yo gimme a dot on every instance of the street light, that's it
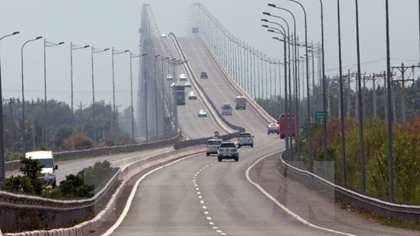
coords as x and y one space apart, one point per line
113 93
45 130
307 88
2 165
295 68
92 51
132 55
156 107
23 93
73 47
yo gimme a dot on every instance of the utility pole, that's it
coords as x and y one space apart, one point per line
81 106
403 69
375 114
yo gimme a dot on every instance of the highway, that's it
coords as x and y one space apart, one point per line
199 196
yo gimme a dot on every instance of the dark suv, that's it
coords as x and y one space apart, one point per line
203 75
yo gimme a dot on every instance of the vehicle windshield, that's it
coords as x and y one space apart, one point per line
227 145
244 135
46 163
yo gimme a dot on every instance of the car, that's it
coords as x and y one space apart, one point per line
227 150
182 77
187 84
245 139
46 160
203 75
226 109
164 36
192 95
169 77
202 113
213 145
273 128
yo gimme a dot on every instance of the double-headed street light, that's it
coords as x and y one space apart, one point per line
2 165
114 52
23 93
45 130
92 51
73 47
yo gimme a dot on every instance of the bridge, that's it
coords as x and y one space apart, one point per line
171 187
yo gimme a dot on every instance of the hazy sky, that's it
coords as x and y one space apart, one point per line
115 23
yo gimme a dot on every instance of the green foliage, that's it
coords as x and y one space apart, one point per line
406 155
109 140
12 156
83 184
29 183
63 132
74 187
19 184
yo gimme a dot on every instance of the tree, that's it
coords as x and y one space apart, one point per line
62 133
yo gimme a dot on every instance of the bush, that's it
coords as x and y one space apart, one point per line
81 142
29 182
406 156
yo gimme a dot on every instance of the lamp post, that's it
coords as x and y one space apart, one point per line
132 55
307 88
92 51
388 78
2 165
23 93
287 111
156 100
343 143
73 47
114 128
296 72
145 94
45 130
360 104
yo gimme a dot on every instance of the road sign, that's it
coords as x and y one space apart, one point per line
319 116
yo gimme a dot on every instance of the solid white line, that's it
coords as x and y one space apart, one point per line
133 193
287 210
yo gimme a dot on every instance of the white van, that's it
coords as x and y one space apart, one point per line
45 159
182 77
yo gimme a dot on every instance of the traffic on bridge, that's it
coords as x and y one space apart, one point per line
288 117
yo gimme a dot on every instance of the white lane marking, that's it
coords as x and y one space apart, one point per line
215 227
211 223
204 207
209 218
198 193
202 202
200 197
206 212
287 210
219 231
133 193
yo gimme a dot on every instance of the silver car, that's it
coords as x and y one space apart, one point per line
273 128
245 139
213 146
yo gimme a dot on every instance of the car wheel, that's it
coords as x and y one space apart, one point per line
252 145
236 159
54 184
208 154
268 133
219 159
239 146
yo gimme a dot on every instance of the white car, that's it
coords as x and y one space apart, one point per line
273 128
202 113
169 77
213 146
192 95
182 77
187 84
164 36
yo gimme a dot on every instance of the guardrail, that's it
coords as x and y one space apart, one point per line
102 151
232 126
14 207
378 206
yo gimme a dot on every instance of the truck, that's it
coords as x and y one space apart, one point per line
282 123
240 103
180 94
